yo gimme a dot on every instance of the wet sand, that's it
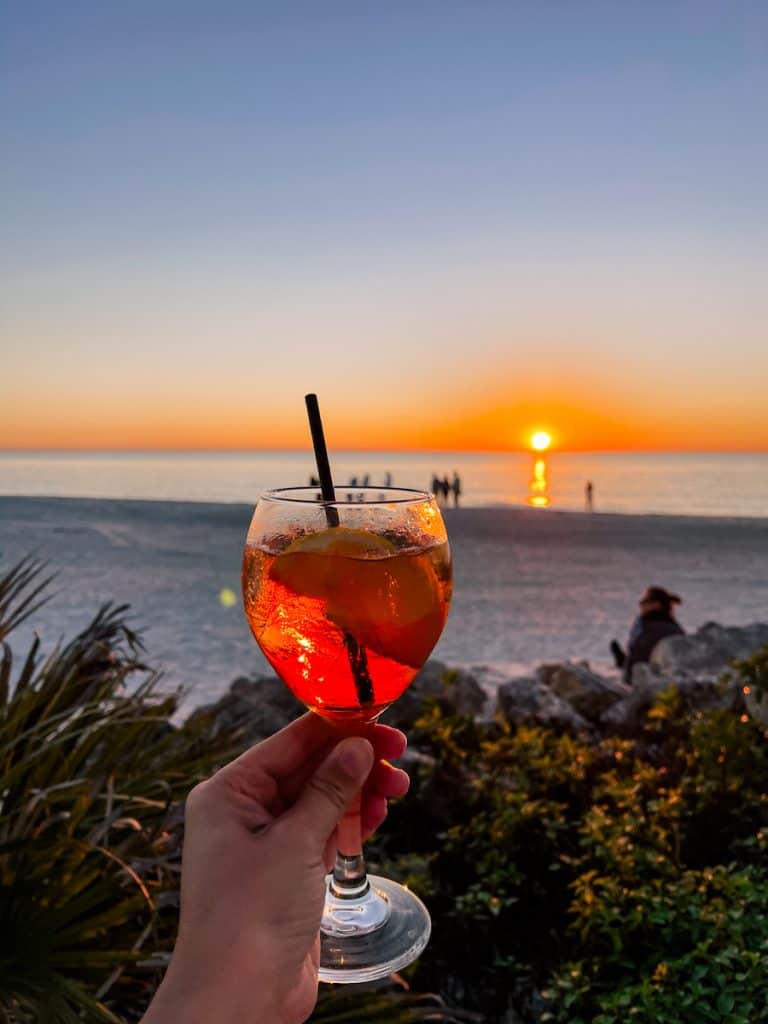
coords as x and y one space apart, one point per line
530 585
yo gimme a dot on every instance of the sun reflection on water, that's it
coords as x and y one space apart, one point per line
538 487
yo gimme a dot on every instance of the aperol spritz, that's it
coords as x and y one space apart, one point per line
345 616
346 599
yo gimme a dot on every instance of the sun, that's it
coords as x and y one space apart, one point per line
540 441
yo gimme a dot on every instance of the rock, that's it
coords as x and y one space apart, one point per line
527 699
489 678
629 714
545 672
646 680
709 651
457 691
256 707
757 706
587 692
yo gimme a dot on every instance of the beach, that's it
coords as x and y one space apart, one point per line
531 585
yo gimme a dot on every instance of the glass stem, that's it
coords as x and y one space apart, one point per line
349 878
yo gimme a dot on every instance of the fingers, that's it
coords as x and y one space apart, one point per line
329 791
387 781
387 742
276 771
281 754
306 741
373 812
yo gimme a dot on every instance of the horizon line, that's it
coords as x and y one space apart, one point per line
376 450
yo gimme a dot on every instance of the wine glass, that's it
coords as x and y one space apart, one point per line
346 599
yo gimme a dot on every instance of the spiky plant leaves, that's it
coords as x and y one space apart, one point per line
92 779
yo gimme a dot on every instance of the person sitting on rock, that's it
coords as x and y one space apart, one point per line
654 622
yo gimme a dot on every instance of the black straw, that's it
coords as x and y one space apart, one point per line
321 451
358 661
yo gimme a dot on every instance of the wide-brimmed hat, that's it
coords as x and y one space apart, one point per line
660 595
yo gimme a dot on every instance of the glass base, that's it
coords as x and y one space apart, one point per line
369 935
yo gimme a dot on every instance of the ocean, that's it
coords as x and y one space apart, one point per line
531 584
657 483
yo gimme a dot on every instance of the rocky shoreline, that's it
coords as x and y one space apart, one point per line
566 696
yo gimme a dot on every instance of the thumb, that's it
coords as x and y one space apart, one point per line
326 796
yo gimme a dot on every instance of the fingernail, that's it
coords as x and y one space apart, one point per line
354 757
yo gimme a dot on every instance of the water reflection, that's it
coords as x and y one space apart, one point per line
538 487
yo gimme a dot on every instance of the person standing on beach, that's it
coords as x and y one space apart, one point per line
654 622
589 491
456 488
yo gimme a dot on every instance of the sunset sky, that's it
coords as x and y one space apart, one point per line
458 222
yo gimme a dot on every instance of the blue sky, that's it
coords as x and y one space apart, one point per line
364 197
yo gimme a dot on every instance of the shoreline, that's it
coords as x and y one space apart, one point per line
538 513
532 586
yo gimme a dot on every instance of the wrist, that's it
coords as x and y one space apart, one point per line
181 1000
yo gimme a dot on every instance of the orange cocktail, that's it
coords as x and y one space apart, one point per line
347 616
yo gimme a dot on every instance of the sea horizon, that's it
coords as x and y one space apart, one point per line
728 484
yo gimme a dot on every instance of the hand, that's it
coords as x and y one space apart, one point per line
259 840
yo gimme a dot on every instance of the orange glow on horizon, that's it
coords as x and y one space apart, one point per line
587 418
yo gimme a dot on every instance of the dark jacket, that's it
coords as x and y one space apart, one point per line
646 632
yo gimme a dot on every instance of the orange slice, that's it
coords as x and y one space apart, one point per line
387 601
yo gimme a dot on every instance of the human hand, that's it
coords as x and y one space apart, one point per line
259 841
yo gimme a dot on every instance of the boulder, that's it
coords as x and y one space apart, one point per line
457 691
255 707
527 700
628 715
757 706
549 668
706 653
587 692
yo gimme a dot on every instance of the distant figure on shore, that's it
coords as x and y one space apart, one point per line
456 488
445 484
353 481
654 622
436 487
314 482
589 491
387 479
366 481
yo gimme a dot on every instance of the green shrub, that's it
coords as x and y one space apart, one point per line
580 882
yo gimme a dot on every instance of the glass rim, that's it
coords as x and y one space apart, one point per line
411 496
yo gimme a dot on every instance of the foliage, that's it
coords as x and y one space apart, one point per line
92 776
569 880
386 1007
753 673
92 781
575 882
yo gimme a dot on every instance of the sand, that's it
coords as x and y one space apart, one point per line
530 585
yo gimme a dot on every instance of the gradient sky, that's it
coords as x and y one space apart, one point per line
456 221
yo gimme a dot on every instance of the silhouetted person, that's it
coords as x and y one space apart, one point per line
353 481
445 484
436 487
456 488
654 622
314 482
388 479
366 480
589 491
